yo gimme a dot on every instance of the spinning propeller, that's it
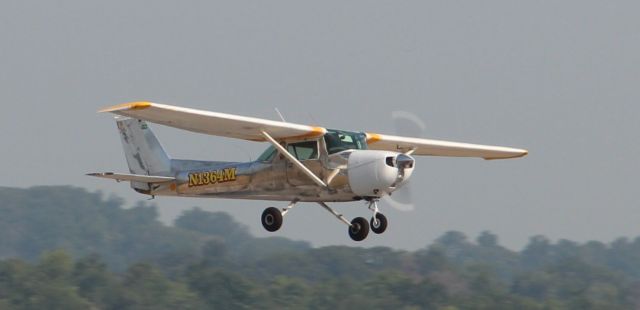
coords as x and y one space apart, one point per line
405 124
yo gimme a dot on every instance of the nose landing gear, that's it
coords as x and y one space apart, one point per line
379 223
378 220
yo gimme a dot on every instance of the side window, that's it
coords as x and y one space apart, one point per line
304 150
268 154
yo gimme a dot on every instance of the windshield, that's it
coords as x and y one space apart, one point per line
339 140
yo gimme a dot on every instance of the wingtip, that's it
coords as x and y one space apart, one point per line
521 153
517 154
137 105
98 174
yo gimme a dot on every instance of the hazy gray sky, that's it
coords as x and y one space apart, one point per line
560 78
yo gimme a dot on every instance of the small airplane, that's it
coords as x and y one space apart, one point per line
302 164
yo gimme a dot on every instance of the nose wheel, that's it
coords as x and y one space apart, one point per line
378 220
378 223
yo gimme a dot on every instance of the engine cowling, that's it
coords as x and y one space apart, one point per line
377 173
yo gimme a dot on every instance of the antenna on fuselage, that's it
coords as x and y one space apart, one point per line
280 114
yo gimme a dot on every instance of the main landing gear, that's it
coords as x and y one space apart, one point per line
358 228
271 219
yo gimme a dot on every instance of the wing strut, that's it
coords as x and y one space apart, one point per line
292 159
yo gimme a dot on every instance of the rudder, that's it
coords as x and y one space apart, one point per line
144 153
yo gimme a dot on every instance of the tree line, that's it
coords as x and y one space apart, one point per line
66 248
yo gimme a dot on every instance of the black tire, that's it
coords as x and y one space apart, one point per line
271 219
359 229
382 223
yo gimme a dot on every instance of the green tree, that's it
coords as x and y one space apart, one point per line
147 288
221 289
95 283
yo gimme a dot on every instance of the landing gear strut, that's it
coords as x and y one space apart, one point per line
272 217
378 220
358 227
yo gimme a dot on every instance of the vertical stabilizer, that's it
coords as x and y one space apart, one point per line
144 153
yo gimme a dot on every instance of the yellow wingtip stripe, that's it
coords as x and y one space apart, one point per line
373 137
318 131
313 133
138 105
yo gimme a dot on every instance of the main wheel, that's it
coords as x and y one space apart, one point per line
359 229
271 219
380 225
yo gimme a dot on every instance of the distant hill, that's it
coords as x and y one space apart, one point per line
40 219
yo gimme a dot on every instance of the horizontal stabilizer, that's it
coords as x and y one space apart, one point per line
132 177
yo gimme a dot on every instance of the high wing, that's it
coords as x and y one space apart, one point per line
254 129
213 123
428 147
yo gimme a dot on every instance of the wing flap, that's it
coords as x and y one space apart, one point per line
132 177
214 123
429 147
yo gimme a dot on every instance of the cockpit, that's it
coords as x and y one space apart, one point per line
335 140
